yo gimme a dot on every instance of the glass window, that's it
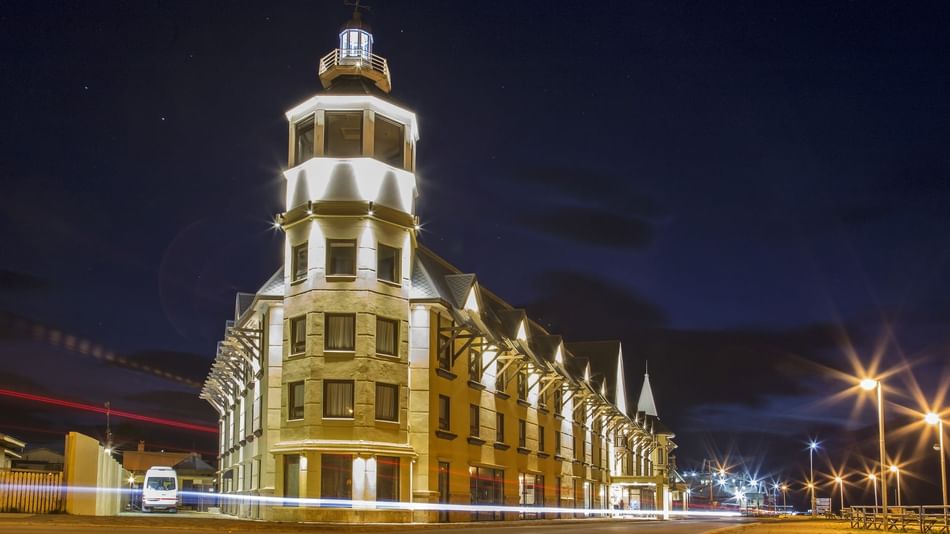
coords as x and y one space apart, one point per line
522 385
386 336
341 257
387 263
295 397
541 438
336 476
487 487
474 420
557 443
292 477
444 410
298 334
558 400
344 134
387 478
338 398
499 427
522 433
500 376
300 261
389 142
304 141
387 402
474 365
340 332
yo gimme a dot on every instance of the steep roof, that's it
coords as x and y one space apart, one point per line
646 404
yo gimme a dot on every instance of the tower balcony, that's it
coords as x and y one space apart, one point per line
355 63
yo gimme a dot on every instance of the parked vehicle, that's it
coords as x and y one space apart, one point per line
160 490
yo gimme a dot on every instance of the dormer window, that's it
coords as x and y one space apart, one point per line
344 134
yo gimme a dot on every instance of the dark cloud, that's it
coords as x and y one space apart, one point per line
175 403
16 281
184 364
590 226
586 185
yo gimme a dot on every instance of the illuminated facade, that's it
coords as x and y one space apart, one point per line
369 369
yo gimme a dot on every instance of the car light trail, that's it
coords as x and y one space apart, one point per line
384 505
113 413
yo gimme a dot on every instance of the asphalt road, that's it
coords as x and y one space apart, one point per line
683 526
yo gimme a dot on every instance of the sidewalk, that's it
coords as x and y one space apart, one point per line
793 526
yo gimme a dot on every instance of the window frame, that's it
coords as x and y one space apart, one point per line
298 126
329 263
395 388
445 414
326 395
522 434
295 263
395 323
326 134
474 420
397 264
395 463
292 398
499 427
402 142
326 333
295 323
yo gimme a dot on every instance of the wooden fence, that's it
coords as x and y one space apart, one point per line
31 492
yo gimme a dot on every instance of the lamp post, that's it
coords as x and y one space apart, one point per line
869 384
894 469
840 482
811 475
784 498
873 480
934 419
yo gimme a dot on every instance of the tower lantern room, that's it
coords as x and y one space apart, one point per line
355 57
356 41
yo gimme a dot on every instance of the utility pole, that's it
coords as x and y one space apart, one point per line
108 428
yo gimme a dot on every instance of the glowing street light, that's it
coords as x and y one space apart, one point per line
812 447
873 480
784 488
869 384
840 482
894 469
935 420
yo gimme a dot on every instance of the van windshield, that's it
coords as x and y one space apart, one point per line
161 483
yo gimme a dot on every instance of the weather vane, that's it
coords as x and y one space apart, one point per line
357 5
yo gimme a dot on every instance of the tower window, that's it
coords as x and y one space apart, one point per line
389 142
300 262
338 398
303 134
444 411
387 263
298 334
340 332
344 134
341 257
386 336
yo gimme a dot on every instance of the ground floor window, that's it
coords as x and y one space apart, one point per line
291 478
336 476
387 478
487 487
530 492
443 490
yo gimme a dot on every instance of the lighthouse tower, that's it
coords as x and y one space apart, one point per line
350 232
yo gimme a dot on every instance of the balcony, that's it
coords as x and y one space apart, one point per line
337 63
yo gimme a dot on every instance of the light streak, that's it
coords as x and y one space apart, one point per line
387 505
112 412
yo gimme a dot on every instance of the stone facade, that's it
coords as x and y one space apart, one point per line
370 370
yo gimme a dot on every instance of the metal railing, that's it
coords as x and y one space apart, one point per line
901 518
336 57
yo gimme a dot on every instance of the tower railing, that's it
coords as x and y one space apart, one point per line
375 66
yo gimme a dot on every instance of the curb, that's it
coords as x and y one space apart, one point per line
734 528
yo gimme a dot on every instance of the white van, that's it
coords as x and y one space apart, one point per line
160 490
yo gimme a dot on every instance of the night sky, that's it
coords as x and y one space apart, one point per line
743 192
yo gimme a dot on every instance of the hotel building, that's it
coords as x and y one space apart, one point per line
369 369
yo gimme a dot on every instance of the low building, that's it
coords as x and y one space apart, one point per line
42 459
193 473
369 369
10 449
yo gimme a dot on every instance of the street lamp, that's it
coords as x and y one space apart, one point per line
812 446
933 419
785 498
894 469
840 482
869 384
873 480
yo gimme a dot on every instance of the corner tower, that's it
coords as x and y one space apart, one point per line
350 231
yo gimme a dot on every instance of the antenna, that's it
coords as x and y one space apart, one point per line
357 6
646 369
